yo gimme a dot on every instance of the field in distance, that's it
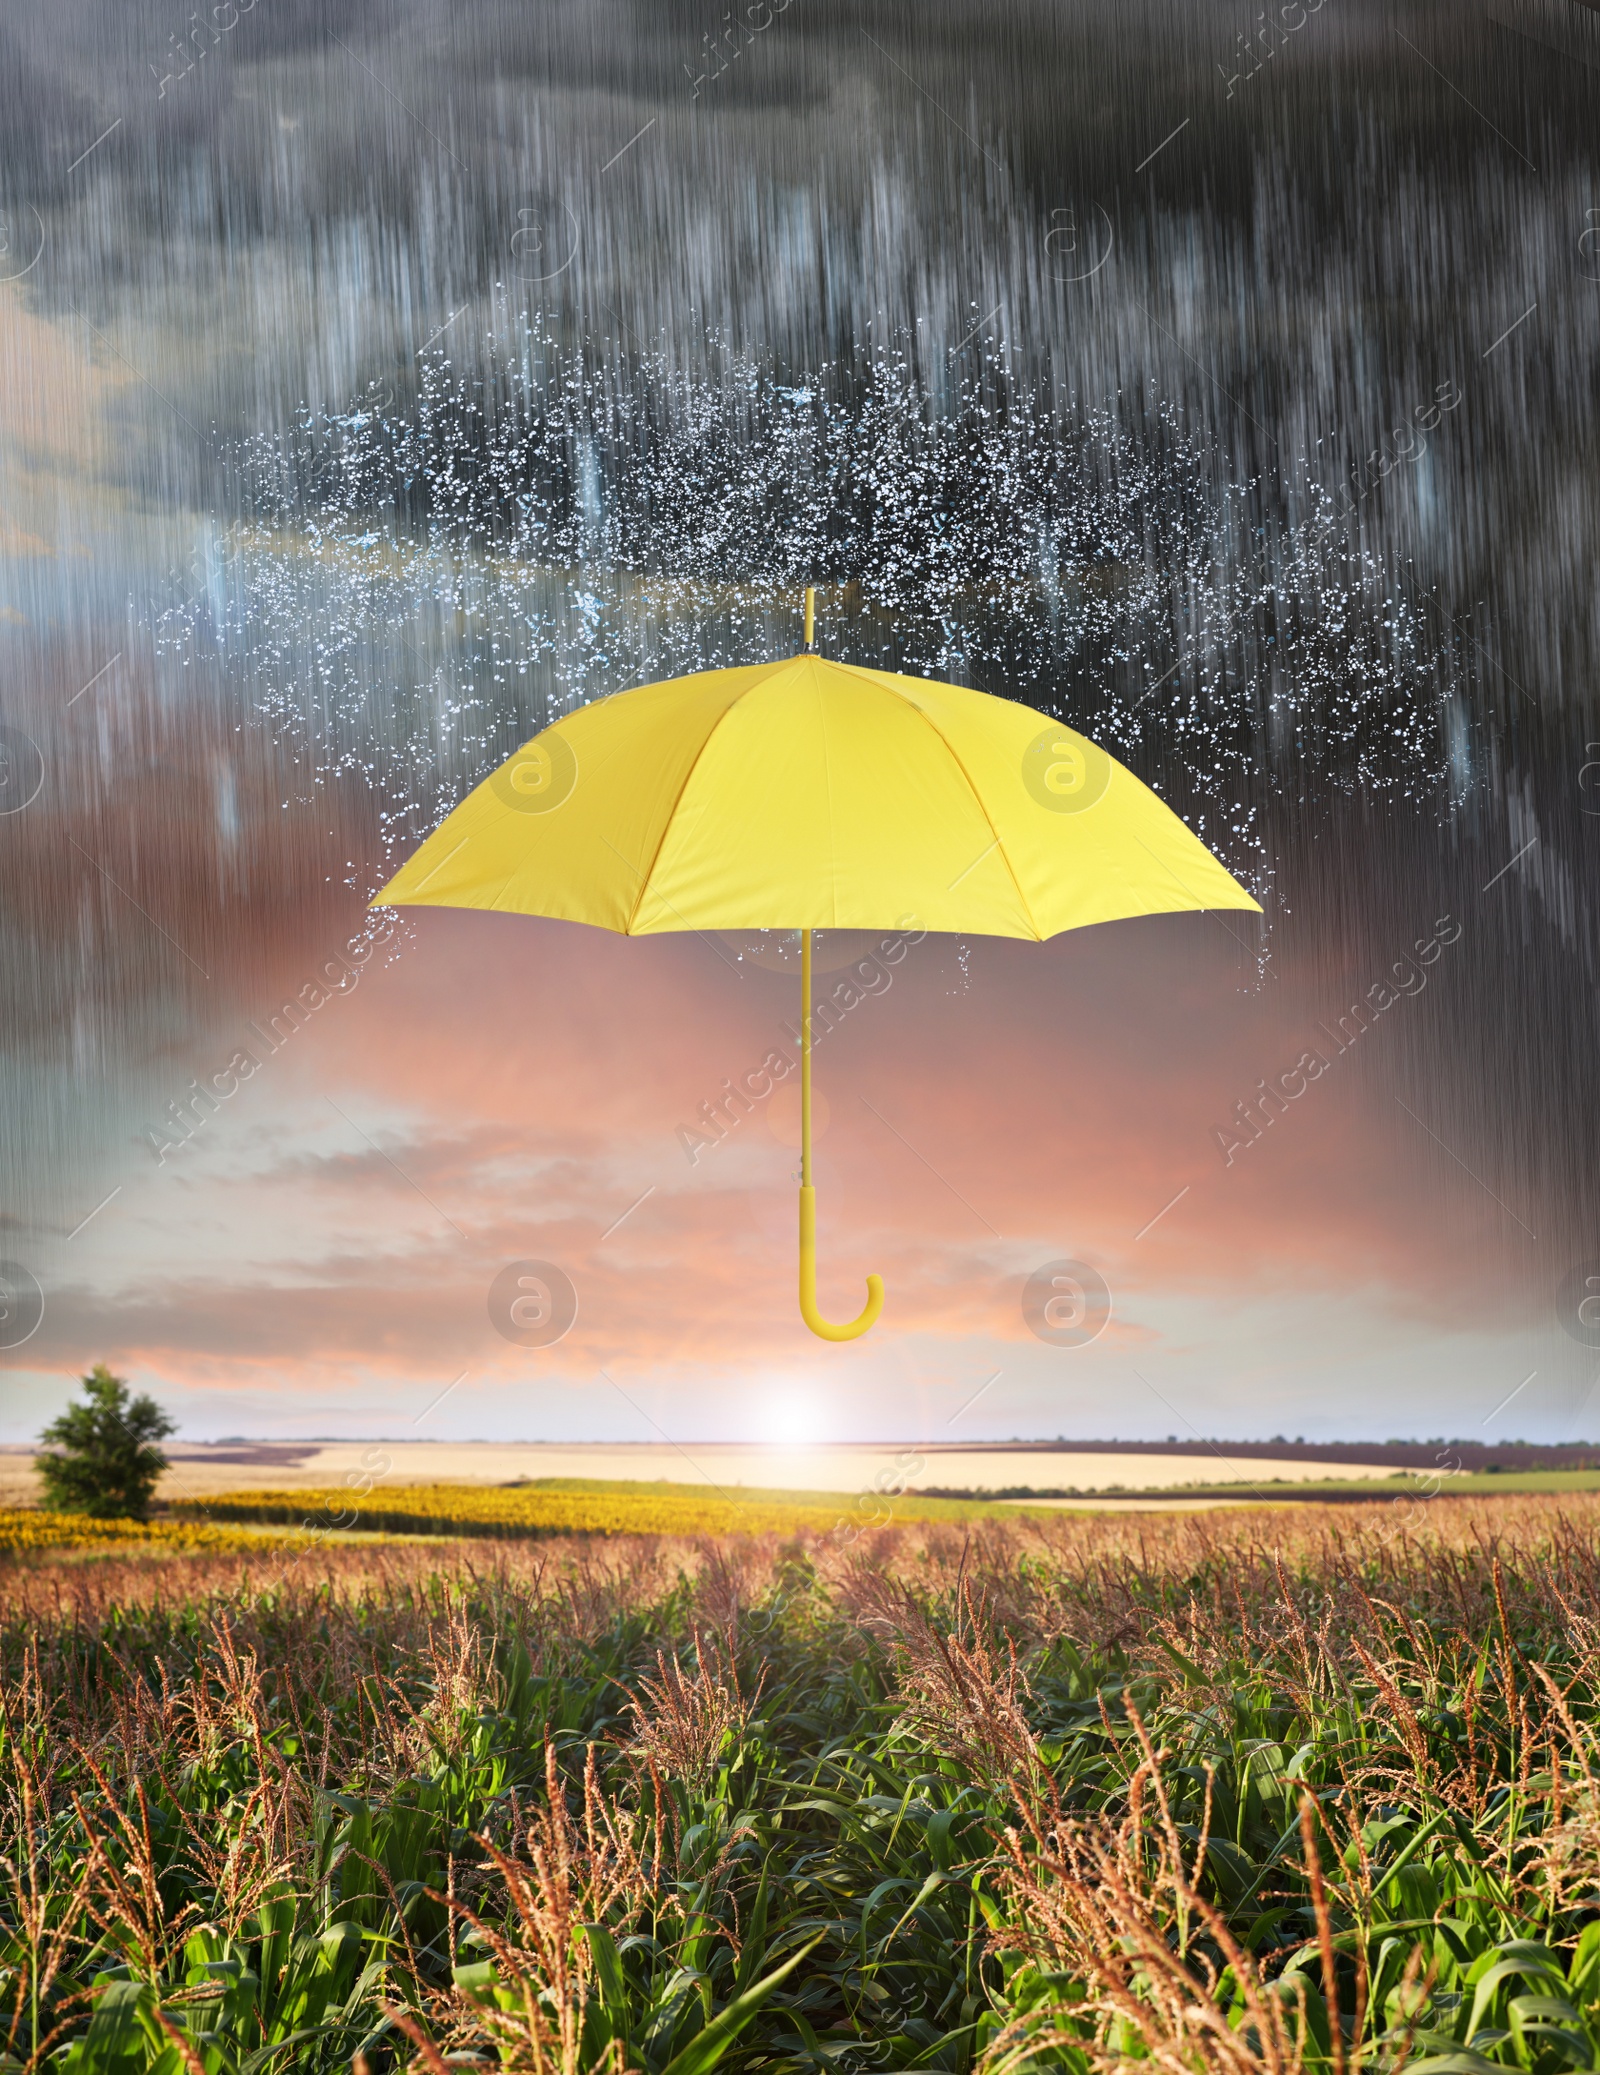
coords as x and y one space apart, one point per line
1388 1484
199 1471
574 1505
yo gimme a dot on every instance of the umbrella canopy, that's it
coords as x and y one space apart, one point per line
808 794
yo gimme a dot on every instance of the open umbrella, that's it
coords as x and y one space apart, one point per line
807 794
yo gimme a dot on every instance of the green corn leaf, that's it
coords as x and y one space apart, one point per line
708 2047
608 1972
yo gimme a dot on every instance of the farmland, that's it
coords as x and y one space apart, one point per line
202 1470
1307 1788
572 1505
28 1531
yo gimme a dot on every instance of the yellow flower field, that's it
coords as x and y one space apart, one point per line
24 1529
555 1508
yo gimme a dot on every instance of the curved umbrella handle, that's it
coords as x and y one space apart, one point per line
825 1329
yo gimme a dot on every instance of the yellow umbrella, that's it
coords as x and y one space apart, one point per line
807 794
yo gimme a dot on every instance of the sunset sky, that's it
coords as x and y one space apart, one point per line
317 1258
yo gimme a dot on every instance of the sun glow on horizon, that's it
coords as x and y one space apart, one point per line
788 1419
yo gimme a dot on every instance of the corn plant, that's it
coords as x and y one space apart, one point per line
1291 1793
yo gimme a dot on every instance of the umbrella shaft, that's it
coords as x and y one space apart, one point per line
805 1059
824 1329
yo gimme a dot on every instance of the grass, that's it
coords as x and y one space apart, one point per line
1294 1790
574 1505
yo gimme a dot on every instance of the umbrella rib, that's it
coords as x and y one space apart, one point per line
977 797
687 924
666 826
1183 884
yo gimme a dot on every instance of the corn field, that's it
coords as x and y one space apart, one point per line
1300 1790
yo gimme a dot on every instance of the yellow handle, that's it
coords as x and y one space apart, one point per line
825 1329
811 633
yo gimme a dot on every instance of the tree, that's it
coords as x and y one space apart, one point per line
105 1460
